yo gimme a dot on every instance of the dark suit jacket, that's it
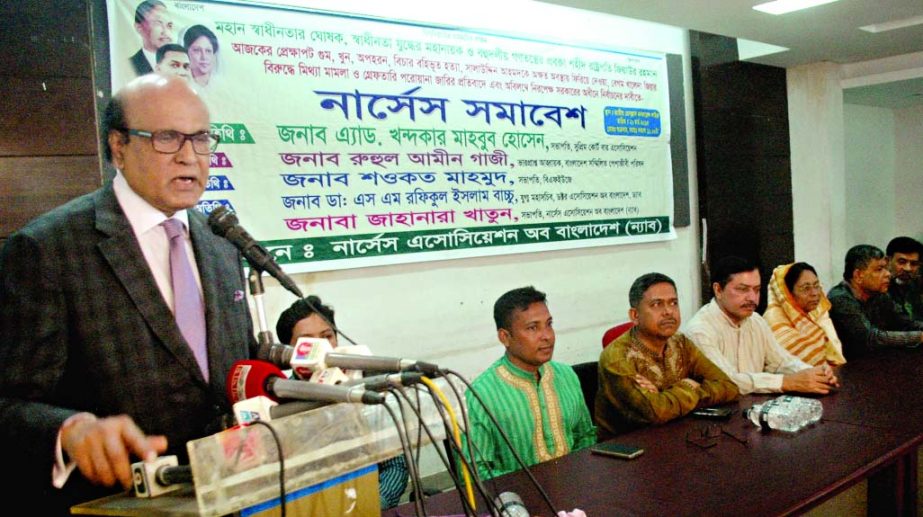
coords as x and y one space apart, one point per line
83 327
140 63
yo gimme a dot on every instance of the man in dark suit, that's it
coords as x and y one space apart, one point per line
155 27
96 370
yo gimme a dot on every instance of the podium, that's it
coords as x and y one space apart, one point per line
335 446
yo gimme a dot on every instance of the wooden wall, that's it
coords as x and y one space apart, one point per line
48 136
743 156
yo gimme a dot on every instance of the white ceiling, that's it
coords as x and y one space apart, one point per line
825 33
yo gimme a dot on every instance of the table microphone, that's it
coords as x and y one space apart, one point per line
160 476
511 505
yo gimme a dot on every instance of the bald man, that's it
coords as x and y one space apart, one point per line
99 368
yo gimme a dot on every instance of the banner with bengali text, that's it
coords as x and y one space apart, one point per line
349 141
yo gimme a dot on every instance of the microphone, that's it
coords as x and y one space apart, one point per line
224 223
264 408
511 505
173 475
313 358
389 380
249 378
158 477
308 361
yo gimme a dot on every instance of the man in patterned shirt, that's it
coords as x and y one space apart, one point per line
653 374
537 402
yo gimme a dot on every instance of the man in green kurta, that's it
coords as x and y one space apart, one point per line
537 402
653 374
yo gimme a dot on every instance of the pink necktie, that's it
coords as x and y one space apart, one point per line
188 307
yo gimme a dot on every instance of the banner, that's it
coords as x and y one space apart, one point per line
350 141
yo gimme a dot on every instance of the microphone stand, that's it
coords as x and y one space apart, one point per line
264 337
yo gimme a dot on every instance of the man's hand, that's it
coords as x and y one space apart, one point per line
819 379
645 384
101 448
692 383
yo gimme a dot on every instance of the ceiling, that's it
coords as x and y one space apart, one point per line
824 33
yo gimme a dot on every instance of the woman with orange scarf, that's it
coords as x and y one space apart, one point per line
799 315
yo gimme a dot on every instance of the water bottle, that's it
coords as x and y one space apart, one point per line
786 413
815 410
810 410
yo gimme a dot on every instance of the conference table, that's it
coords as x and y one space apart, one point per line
870 430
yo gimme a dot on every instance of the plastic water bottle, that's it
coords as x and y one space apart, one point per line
786 413
816 410
810 409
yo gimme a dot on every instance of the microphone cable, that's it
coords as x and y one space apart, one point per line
456 451
464 411
507 440
413 468
416 394
456 436
442 455
310 303
278 442
414 475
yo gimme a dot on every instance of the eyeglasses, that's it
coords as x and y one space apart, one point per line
707 436
169 141
809 288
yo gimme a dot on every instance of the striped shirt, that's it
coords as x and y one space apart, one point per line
544 417
392 481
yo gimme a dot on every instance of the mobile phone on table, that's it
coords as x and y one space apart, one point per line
618 450
720 413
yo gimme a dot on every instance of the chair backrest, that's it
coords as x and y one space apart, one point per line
616 331
588 373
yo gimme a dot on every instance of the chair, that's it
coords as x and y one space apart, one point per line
588 373
616 331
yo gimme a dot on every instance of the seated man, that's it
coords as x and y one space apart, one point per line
309 317
741 343
904 265
864 316
537 401
653 374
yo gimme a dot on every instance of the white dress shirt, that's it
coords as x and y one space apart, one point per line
145 221
748 353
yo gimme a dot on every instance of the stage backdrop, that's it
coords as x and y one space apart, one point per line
350 142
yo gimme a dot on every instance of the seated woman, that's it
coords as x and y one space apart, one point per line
799 314
309 317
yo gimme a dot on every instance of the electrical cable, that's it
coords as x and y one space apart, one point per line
457 453
445 461
456 436
275 438
464 411
509 442
413 469
414 475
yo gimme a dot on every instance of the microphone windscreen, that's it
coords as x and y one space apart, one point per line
248 378
221 220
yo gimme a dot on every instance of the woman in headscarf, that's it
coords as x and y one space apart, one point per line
799 315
